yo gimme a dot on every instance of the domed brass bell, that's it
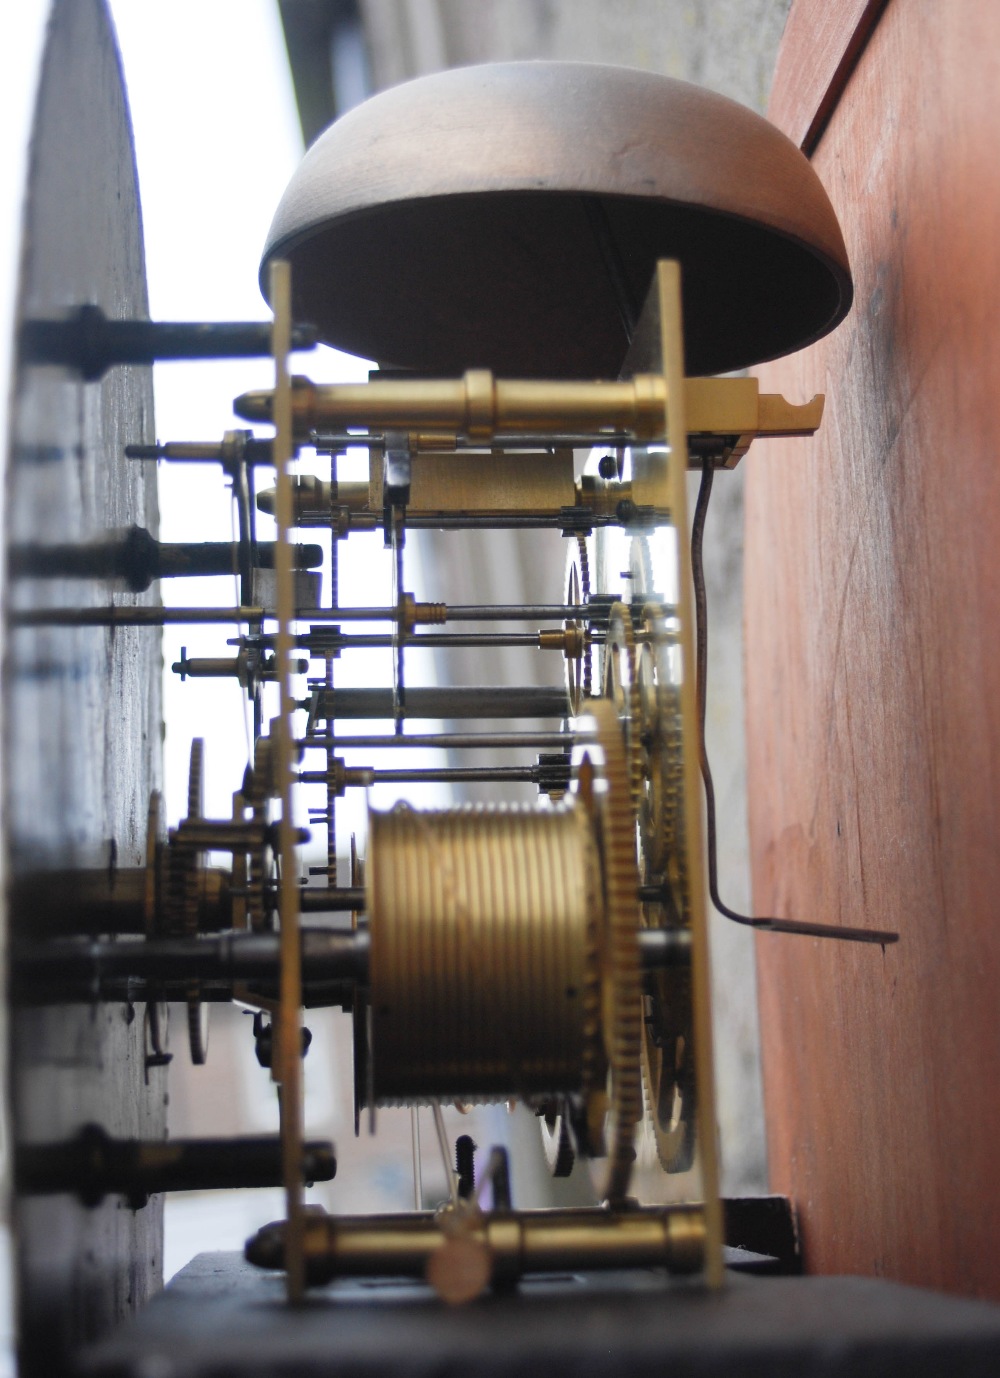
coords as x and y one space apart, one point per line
509 216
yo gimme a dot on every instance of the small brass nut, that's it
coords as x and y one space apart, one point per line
414 614
335 773
570 640
340 777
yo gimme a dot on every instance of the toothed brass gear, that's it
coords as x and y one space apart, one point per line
621 686
258 788
668 1068
642 689
180 889
622 981
189 881
638 682
196 779
179 866
579 674
155 863
640 562
583 559
173 889
664 850
667 1051
195 810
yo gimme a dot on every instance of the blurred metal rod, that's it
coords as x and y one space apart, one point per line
450 741
446 701
451 774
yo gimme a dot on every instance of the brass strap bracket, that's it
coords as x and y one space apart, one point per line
734 412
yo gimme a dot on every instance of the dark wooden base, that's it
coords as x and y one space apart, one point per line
221 1316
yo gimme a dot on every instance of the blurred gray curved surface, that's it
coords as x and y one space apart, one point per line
81 707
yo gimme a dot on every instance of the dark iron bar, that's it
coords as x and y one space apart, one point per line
324 899
91 342
66 970
137 559
446 702
329 642
94 1165
329 956
664 947
233 956
450 741
132 616
441 640
528 775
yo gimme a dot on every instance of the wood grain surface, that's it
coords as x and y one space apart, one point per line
873 682
821 45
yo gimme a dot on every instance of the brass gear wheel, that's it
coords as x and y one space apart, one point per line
640 563
667 1051
192 872
258 788
661 819
621 686
195 810
668 1068
579 673
155 861
639 683
621 984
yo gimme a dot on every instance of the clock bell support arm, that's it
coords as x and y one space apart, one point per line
287 1068
659 481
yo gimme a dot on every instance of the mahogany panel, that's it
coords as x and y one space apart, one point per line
873 683
821 44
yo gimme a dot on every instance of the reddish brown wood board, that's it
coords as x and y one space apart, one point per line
820 47
873 682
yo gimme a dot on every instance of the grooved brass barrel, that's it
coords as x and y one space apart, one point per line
483 964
